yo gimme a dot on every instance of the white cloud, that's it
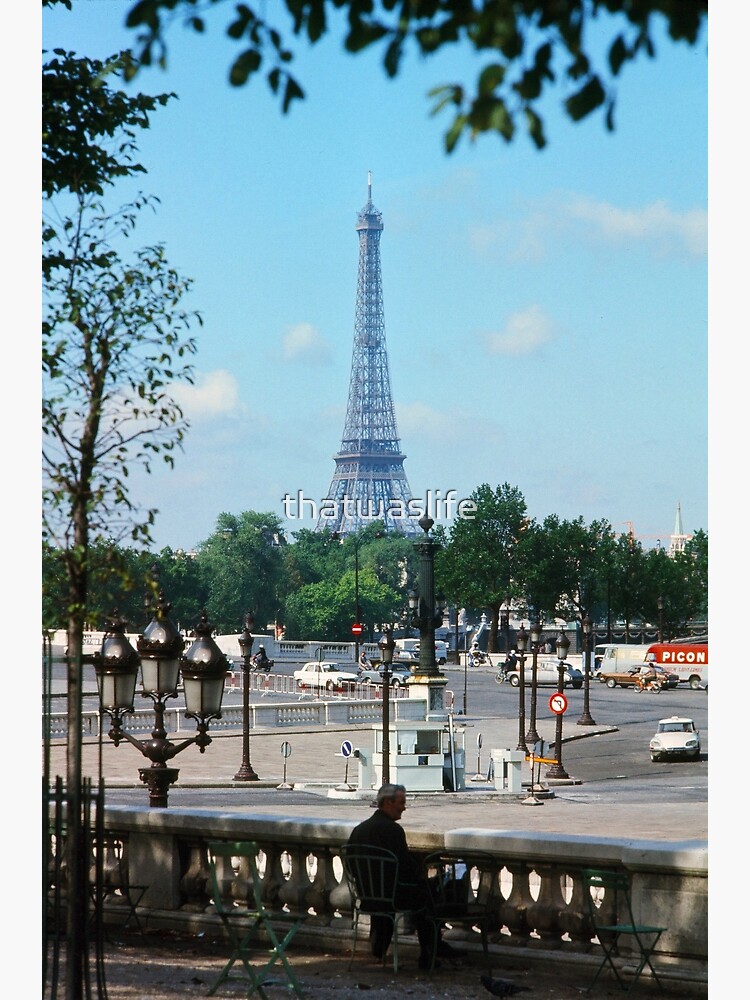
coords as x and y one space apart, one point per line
215 394
655 225
303 342
524 333
447 426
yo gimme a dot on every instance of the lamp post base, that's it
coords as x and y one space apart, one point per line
158 780
557 771
586 720
246 773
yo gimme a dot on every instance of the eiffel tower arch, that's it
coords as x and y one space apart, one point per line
369 482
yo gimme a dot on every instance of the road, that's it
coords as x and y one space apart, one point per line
612 767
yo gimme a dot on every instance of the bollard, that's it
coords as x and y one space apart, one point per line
507 770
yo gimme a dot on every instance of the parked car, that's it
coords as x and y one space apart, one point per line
547 674
324 674
629 677
399 675
675 737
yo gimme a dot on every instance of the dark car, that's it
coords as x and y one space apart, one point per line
399 675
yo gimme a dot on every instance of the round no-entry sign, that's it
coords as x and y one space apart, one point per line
357 629
558 703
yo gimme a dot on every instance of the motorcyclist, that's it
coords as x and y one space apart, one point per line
260 660
509 663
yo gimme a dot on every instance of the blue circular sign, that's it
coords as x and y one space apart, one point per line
346 749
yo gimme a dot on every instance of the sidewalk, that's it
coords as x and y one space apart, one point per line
316 767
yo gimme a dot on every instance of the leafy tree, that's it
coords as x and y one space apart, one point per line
481 564
241 565
325 609
524 48
564 565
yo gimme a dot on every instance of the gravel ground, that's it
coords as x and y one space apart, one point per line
168 966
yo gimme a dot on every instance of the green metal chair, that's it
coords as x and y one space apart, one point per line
612 918
248 920
372 875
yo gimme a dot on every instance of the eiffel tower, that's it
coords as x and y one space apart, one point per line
369 482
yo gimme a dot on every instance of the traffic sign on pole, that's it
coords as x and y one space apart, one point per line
346 749
558 703
357 629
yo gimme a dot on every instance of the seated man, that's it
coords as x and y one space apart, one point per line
382 830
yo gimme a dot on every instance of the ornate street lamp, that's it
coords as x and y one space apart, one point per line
245 640
586 717
522 638
563 645
386 645
203 668
535 634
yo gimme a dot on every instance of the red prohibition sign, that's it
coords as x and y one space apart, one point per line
558 703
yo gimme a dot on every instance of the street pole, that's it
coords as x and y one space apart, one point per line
246 772
557 770
522 637
586 718
386 645
535 632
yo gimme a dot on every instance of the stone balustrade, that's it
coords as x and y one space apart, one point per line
317 711
535 887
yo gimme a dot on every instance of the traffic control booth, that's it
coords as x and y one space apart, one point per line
423 757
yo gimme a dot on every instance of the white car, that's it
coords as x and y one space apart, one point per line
324 674
675 737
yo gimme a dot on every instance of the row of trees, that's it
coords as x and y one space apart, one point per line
312 582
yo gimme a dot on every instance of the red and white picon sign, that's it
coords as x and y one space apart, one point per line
558 703
357 629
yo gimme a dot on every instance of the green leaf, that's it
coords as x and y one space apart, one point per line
248 62
585 100
490 78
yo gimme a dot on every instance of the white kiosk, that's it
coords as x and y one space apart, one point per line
419 757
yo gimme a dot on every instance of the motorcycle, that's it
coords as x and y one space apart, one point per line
265 664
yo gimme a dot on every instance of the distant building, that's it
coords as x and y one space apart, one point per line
678 538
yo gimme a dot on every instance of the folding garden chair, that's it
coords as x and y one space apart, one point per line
453 899
612 918
372 875
236 888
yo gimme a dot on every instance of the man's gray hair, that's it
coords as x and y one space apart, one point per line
388 792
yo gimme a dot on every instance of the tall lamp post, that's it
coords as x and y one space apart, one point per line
660 606
386 645
426 613
535 634
245 640
505 624
586 717
563 645
522 638
203 669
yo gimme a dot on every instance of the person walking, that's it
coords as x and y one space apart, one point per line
382 830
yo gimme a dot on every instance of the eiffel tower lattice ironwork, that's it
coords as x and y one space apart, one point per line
369 482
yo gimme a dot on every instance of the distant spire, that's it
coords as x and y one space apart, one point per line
369 185
678 521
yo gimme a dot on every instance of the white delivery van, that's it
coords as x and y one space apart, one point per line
618 658
686 659
408 649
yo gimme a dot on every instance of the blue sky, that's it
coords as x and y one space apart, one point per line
546 312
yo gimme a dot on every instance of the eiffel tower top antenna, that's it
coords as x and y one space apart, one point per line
369 482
